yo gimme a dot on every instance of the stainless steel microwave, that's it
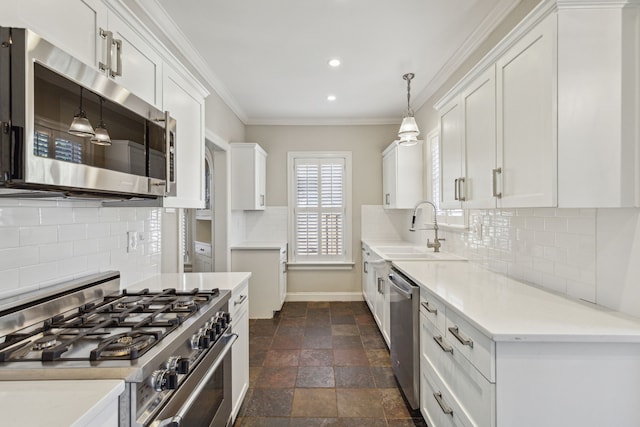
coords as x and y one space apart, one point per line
49 105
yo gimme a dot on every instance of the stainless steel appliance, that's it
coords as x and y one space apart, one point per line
405 335
172 348
42 90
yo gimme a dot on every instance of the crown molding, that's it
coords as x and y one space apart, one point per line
475 39
163 21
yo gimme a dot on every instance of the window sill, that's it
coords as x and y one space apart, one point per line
346 265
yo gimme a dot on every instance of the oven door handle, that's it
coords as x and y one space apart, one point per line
176 420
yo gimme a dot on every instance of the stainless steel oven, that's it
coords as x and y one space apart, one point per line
204 399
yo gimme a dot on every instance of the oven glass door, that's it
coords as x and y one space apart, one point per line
204 399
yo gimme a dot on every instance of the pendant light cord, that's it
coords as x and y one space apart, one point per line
408 78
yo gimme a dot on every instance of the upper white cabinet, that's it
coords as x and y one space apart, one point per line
451 154
186 105
248 176
476 187
131 61
550 117
402 176
527 143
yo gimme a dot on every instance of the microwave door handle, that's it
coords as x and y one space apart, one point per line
176 420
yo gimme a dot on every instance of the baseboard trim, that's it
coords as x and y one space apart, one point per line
323 296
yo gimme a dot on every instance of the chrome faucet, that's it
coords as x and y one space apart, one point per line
436 241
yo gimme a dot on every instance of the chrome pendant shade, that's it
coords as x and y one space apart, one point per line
80 126
101 136
409 131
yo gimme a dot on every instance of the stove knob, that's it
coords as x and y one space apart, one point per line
164 380
204 341
179 364
227 317
222 322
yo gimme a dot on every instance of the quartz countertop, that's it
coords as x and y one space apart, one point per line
56 403
399 250
508 310
259 245
189 281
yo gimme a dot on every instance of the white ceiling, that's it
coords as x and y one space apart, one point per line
268 59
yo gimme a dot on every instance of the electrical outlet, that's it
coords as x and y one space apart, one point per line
132 241
477 230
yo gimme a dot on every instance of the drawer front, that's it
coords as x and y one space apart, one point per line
469 387
239 301
473 344
433 309
203 249
437 405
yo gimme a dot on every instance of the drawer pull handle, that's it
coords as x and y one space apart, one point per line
444 346
445 408
456 333
429 309
240 300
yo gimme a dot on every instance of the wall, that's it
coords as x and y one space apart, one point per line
46 241
221 121
366 143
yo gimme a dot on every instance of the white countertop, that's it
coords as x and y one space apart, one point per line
259 245
189 281
55 403
508 310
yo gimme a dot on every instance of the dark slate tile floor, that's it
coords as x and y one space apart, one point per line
322 364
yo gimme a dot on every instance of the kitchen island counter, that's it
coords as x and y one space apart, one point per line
60 403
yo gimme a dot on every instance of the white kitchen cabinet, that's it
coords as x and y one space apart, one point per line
268 286
478 161
72 25
452 161
135 64
497 352
248 176
402 176
239 310
186 104
368 277
203 257
527 120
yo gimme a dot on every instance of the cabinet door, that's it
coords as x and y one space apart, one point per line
479 102
527 119
389 174
140 65
451 155
187 107
72 25
240 349
261 180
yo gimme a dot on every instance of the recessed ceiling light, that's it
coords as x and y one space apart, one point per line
331 98
334 62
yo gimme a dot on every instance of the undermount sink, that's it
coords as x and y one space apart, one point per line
397 253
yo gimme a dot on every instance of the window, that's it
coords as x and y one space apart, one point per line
48 142
445 216
319 207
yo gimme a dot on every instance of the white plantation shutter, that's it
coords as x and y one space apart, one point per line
319 209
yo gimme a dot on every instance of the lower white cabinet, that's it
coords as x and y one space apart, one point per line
202 259
495 352
268 284
239 309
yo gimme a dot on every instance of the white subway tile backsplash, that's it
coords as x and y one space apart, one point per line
43 242
9 237
56 215
555 224
16 216
582 225
30 236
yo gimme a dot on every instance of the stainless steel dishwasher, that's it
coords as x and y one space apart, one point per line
405 335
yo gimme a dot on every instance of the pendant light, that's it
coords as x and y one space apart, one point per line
80 126
409 131
101 136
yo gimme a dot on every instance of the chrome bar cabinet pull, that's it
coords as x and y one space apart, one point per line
456 333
